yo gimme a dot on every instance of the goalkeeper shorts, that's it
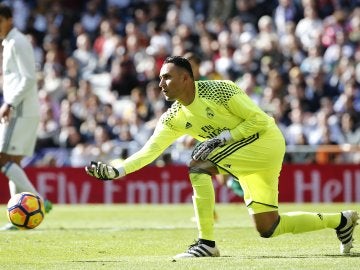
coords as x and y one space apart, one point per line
256 162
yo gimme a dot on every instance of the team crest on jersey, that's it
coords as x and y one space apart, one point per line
210 114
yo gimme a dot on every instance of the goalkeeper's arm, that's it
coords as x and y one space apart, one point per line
163 137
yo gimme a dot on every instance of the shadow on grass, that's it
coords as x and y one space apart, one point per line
300 256
154 228
354 254
97 261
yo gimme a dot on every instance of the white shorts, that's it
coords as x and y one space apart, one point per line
18 137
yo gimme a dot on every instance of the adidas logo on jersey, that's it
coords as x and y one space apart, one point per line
188 125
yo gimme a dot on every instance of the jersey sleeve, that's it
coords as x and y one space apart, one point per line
254 119
163 136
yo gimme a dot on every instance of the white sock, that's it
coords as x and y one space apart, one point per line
18 181
12 188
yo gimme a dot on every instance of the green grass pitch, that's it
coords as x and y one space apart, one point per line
147 236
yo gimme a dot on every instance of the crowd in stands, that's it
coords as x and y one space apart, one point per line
98 63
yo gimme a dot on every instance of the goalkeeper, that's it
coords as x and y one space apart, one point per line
238 138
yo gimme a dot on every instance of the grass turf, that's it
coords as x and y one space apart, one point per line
147 236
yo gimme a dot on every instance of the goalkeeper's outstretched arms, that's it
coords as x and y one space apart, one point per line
103 171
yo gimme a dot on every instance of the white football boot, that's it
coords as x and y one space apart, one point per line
345 234
197 250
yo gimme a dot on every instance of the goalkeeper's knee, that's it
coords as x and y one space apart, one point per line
266 218
202 166
269 232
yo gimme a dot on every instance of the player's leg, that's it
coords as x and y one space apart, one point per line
263 209
17 139
18 180
200 173
270 224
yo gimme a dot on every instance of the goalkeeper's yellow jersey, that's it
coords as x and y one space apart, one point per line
218 105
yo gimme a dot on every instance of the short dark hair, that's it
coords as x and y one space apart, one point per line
5 11
180 62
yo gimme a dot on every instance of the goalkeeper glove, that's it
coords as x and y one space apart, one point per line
203 150
103 171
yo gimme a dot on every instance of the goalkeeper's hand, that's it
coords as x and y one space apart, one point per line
102 171
203 150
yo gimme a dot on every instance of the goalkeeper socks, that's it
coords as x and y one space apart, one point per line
204 204
207 242
300 222
19 182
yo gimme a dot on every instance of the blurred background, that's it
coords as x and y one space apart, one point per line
98 63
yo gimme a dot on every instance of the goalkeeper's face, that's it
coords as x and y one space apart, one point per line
173 81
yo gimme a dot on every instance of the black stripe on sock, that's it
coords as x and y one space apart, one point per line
209 243
343 222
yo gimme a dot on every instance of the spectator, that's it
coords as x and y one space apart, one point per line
266 36
38 52
246 11
105 45
323 130
248 83
48 130
85 57
350 124
123 76
349 99
297 128
91 18
286 12
220 9
186 14
52 72
309 27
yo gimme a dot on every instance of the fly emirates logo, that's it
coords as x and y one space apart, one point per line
317 188
211 132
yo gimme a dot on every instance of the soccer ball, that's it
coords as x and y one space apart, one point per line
25 210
